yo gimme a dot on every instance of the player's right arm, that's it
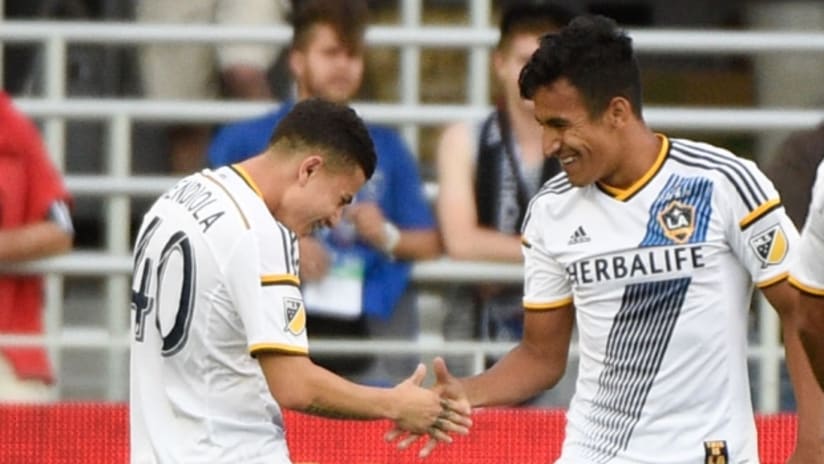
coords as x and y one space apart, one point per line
537 363
457 216
297 383
811 325
264 290
807 275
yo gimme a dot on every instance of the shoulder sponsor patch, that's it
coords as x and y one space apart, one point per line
295 315
770 246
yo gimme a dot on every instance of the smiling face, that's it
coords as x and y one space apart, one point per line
586 146
325 67
318 198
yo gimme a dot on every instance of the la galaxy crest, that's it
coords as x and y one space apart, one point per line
677 221
295 315
770 246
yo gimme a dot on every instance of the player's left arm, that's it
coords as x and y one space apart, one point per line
811 328
765 240
808 395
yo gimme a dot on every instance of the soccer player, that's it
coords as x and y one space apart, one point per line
219 338
808 277
651 246
388 226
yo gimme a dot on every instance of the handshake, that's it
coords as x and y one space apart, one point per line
435 413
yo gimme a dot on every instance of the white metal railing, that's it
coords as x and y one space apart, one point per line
117 185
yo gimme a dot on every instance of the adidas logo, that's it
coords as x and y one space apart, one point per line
579 236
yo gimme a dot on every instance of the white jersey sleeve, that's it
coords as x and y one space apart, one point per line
268 300
807 271
546 285
760 233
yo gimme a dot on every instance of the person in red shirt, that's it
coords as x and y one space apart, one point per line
34 223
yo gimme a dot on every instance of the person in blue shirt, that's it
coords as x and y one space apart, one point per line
357 275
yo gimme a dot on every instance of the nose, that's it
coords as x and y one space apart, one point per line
551 141
335 218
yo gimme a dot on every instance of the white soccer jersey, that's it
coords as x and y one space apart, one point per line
215 281
808 268
661 276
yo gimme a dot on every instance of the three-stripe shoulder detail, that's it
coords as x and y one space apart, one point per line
555 186
289 244
730 166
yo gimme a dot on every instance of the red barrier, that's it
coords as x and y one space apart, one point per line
93 433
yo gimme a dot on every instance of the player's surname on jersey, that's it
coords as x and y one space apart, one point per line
196 198
678 259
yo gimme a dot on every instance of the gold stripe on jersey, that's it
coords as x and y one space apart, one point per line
234 202
280 279
805 288
773 280
277 347
758 212
246 178
547 306
626 194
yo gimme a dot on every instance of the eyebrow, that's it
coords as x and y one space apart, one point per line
553 121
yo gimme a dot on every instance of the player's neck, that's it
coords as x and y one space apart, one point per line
639 152
269 177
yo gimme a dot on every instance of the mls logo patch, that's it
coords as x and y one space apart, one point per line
295 315
677 221
770 246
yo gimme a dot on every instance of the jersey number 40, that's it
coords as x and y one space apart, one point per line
163 282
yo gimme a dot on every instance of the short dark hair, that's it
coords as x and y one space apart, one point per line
332 128
348 18
531 17
595 56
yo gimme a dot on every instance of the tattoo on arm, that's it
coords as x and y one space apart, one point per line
331 413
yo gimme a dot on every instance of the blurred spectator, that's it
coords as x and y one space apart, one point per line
196 71
792 169
487 172
356 275
34 223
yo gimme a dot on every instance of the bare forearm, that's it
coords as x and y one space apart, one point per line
34 241
484 245
418 244
808 394
516 377
331 396
812 333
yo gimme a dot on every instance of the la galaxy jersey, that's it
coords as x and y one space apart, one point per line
661 276
215 282
808 269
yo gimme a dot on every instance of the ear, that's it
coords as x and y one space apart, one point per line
619 112
309 168
297 63
498 64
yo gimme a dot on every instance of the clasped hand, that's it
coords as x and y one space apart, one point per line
450 414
